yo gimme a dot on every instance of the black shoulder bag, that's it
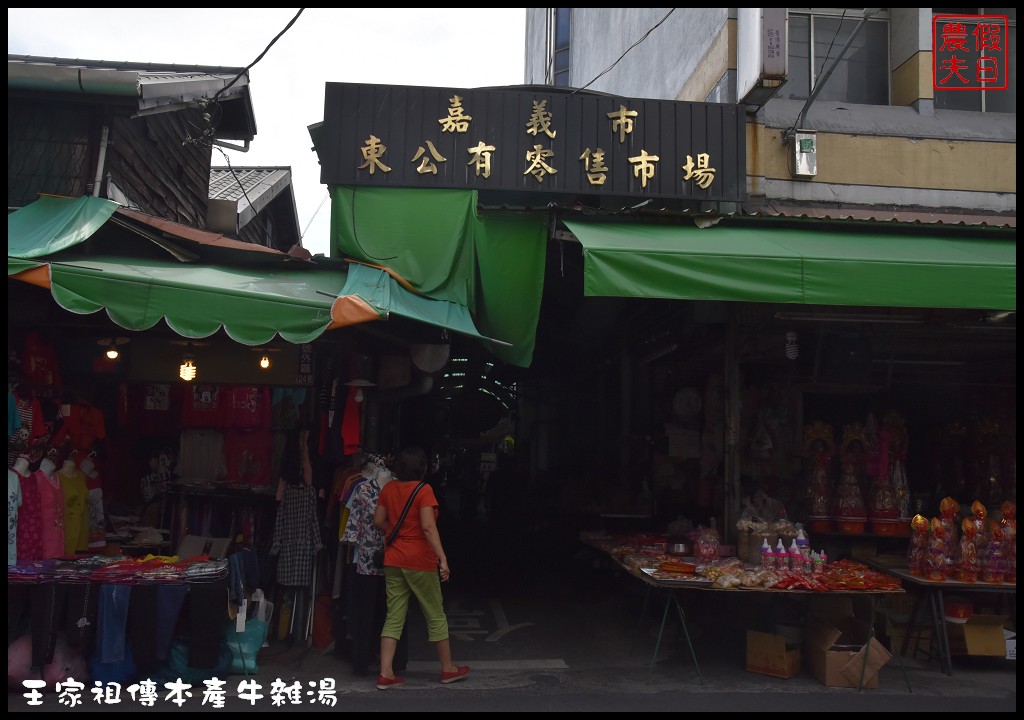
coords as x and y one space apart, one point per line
378 555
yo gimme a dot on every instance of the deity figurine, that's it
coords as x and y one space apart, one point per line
935 555
968 568
918 548
850 512
882 509
895 433
819 449
948 509
1008 525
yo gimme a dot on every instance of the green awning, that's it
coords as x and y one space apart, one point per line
252 305
381 291
435 242
255 297
196 301
784 265
51 224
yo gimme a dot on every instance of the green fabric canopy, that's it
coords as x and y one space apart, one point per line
51 224
196 301
785 265
263 295
435 241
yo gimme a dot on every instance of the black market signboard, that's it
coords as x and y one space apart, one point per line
533 140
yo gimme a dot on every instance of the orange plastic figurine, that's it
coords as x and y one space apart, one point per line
968 570
935 556
993 562
1008 524
918 545
948 509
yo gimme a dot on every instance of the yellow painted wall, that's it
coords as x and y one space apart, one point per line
912 81
890 161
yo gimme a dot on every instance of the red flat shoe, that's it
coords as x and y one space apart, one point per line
384 683
460 673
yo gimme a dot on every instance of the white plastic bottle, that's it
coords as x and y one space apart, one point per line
796 558
803 543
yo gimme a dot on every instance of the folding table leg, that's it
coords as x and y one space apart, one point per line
661 631
640 623
686 632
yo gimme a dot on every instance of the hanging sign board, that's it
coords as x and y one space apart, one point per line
544 141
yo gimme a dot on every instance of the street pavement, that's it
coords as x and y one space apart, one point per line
551 626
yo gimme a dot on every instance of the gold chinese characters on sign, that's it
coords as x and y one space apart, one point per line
540 160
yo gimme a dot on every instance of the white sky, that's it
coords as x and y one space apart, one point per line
445 47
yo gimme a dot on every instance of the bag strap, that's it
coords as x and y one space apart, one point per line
401 518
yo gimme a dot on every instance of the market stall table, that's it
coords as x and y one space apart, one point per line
655 581
932 594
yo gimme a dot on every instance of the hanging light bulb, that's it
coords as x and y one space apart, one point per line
265 362
112 353
187 371
359 383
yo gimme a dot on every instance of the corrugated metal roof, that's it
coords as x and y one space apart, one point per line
861 214
238 182
158 87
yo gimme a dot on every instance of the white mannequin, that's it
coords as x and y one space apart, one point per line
21 466
384 477
89 468
48 468
69 468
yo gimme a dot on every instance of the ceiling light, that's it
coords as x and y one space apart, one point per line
265 362
187 371
112 344
359 383
792 346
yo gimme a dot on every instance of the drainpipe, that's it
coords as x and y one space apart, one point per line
101 161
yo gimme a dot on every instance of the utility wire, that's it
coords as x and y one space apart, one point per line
265 50
607 69
256 217
315 213
828 52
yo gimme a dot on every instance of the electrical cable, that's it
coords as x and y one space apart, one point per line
315 213
256 217
656 26
260 57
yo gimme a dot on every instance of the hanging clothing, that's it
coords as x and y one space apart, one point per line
351 424
13 506
51 499
296 535
13 418
365 537
76 509
30 521
84 427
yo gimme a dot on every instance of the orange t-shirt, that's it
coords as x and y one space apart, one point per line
409 549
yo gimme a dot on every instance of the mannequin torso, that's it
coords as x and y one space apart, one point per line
21 466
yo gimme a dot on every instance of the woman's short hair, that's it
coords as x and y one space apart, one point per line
411 464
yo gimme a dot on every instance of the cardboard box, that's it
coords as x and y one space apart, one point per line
767 655
981 635
838 652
